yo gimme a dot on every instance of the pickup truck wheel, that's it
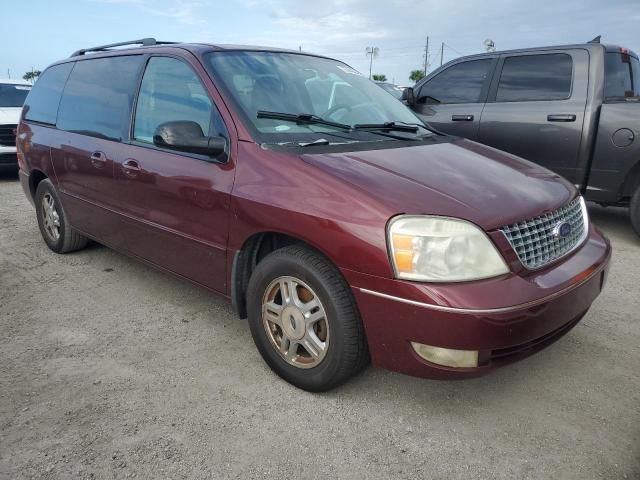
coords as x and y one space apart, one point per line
52 220
634 211
304 320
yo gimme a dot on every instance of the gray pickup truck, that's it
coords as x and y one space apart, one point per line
573 109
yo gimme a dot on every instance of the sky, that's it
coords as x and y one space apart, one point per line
36 33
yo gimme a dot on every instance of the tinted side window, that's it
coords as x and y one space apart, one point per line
42 102
461 83
98 98
622 76
172 91
535 77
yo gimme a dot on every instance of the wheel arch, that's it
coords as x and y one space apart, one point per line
253 250
35 177
632 180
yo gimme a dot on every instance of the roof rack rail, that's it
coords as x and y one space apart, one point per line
145 42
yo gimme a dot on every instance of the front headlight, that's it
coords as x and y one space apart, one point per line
439 249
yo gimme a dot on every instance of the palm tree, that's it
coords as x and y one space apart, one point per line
416 75
31 76
380 77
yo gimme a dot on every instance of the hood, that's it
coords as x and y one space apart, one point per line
10 114
459 178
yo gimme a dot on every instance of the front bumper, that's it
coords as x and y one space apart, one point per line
505 319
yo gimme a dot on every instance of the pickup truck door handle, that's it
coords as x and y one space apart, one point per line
462 118
563 117
98 159
131 167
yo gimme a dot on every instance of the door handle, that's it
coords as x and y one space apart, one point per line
98 159
131 167
462 118
561 117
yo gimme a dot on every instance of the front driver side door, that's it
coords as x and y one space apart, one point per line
452 100
176 204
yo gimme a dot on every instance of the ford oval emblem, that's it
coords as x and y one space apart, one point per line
562 229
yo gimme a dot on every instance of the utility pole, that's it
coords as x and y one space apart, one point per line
426 56
8 73
441 53
373 52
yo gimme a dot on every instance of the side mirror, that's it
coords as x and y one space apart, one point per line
187 136
428 100
408 96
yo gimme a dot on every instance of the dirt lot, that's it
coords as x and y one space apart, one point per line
109 369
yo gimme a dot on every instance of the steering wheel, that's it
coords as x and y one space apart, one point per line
336 108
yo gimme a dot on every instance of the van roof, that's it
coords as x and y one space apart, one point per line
150 43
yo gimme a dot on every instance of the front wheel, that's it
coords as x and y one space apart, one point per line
304 319
634 211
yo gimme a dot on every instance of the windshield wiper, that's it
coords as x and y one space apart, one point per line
302 118
381 129
386 126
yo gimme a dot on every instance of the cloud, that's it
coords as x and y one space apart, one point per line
399 28
187 13
322 27
344 28
184 12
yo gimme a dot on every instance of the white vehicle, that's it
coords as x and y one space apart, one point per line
12 95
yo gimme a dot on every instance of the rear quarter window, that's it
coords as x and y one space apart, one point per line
43 100
530 78
98 97
622 77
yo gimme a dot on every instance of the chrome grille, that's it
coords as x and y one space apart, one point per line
542 239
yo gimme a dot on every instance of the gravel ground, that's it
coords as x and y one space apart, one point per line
110 369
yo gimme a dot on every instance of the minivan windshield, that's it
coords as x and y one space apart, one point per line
13 95
622 76
324 91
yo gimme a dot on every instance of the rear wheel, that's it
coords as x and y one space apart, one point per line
304 320
52 220
634 211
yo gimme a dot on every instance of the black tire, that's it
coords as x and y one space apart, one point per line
68 239
634 211
346 352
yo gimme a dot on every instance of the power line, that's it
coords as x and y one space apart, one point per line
397 52
453 49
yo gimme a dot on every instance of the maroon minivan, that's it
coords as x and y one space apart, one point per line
324 209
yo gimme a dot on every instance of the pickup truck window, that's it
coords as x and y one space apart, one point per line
622 77
535 78
460 83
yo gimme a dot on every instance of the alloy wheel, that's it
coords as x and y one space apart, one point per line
50 217
295 322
